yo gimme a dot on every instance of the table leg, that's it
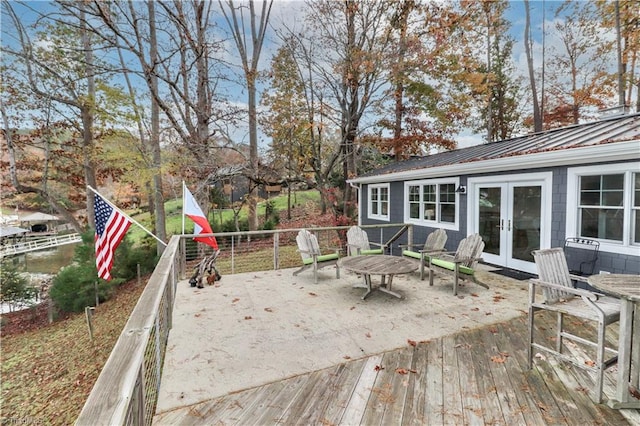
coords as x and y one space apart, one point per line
624 358
367 280
387 288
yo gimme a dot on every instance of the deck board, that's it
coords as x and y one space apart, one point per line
477 377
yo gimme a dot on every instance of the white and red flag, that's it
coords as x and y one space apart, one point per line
111 227
192 210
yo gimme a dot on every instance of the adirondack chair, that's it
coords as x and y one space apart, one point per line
434 244
311 255
358 243
562 298
461 263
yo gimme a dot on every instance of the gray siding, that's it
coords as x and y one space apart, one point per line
607 261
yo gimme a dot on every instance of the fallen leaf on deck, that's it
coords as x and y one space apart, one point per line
474 295
268 309
352 308
248 317
312 294
235 300
590 363
378 368
412 342
498 359
475 309
367 334
404 371
197 315
346 357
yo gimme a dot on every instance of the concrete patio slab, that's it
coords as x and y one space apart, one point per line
256 328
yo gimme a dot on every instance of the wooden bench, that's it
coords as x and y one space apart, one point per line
312 256
461 263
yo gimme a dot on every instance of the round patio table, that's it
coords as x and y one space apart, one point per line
627 288
378 264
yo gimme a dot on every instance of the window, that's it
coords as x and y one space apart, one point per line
379 202
601 206
635 220
603 203
433 202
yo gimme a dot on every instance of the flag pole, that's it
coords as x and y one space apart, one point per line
183 203
127 216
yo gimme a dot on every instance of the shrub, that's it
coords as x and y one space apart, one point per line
13 286
78 285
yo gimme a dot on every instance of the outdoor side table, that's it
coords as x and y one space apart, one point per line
627 288
384 265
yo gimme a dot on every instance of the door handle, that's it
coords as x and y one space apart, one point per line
509 225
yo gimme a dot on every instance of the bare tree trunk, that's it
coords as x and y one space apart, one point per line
537 116
250 58
158 196
621 88
86 112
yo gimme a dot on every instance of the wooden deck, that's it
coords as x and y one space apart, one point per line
476 377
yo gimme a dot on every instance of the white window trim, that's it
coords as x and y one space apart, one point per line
379 216
573 185
455 226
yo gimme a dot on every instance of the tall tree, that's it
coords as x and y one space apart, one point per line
503 113
624 17
350 66
537 113
250 57
579 70
284 119
182 71
61 70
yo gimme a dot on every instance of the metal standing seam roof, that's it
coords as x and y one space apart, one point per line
611 130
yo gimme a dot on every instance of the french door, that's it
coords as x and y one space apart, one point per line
512 216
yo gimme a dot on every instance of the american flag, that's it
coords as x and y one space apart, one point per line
111 227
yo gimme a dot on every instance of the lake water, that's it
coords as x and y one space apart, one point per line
44 261
39 265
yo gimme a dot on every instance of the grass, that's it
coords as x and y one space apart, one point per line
173 213
47 374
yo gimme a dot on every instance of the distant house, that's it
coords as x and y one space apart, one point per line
233 182
522 194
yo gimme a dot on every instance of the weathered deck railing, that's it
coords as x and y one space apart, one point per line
126 391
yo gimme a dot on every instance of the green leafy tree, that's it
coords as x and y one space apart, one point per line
13 287
78 285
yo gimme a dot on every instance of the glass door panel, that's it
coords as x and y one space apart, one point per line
526 215
489 210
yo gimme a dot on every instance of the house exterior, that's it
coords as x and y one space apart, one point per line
522 194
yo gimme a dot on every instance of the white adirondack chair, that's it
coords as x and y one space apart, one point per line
311 255
561 297
461 263
358 243
433 245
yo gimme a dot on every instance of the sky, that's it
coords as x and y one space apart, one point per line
289 10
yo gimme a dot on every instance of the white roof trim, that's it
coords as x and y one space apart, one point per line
618 151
